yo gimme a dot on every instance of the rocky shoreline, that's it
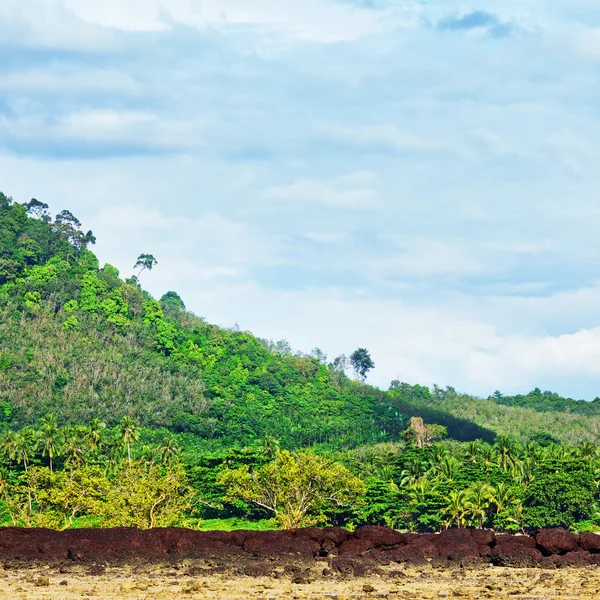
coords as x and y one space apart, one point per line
367 550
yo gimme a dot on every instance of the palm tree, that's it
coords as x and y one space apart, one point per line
438 453
488 455
479 498
169 449
75 447
457 507
95 434
419 491
25 446
473 450
586 450
448 467
50 438
559 452
129 433
270 446
524 471
148 454
504 497
506 449
7 445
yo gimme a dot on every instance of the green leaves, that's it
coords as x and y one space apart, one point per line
299 489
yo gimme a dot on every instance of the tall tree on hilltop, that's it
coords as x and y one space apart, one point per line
361 362
145 261
37 209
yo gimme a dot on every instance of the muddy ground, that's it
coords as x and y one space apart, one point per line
164 582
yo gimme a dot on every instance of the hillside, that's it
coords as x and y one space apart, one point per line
536 420
79 342
111 398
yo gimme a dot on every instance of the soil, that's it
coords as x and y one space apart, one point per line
330 563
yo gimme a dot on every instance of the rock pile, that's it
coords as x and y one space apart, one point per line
256 552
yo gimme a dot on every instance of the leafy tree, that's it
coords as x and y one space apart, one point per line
561 494
172 302
298 490
423 435
37 209
146 495
145 261
361 362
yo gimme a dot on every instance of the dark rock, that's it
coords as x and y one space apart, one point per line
521 540
483 537
590 542
379 536
515 555
355 546
580 558
557 541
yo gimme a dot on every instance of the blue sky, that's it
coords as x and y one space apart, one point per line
418 178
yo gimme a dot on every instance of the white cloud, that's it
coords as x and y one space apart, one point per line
386 136
143 130
522 360
48 24
316 20
356 190
427 258
66 81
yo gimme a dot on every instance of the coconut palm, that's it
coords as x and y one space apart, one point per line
506 450
504 498
472 450
489 455
50 439
457 508
169 449
479 499
129 433
559 452
75 446
586 450
24 446
7 445
95 434
270 446
524 471
447 468
419 491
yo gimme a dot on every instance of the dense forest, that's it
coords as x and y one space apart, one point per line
117 408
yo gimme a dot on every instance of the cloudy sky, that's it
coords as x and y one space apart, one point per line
420 178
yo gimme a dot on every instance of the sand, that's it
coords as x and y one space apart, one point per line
187 580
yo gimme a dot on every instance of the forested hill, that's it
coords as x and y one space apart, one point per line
79 342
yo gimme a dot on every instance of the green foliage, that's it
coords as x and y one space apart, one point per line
548 402
201 422
299 490
562 494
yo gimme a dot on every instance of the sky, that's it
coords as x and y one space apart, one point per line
419 178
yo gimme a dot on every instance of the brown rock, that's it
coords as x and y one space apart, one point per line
590 542
557 541
379 536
